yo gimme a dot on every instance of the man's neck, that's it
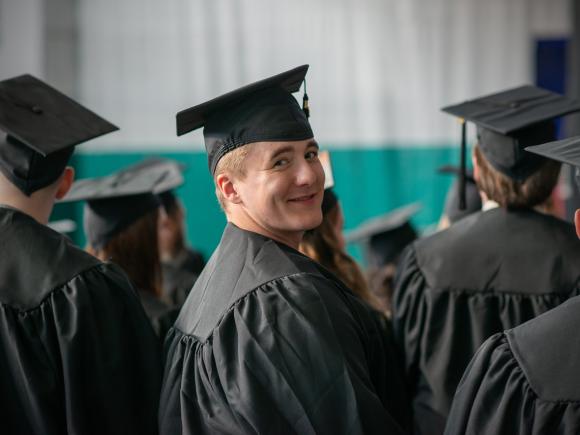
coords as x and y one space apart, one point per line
245 222
35 209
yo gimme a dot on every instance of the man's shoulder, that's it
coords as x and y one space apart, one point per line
497 244
38 261
243 264
552 373
493 227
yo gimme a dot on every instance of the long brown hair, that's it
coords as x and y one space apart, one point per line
136 251
321 244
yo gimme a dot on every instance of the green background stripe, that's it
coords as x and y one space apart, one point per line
369 182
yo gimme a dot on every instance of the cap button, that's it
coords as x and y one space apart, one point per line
37 110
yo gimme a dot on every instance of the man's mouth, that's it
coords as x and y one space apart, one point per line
304 198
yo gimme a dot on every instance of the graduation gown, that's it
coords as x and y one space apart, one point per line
159 313
488 272
524 381
268 342
77 354
179 276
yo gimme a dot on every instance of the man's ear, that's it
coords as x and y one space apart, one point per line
66 181
227 187
577 222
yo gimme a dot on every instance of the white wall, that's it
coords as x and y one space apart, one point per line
380 69
21 38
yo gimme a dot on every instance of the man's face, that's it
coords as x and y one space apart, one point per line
282 189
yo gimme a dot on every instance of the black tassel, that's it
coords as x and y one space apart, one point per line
305 106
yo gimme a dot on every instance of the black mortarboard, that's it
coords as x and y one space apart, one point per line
261 111
166 196
564 151
386 236
510 120
42 127
472 196
115 201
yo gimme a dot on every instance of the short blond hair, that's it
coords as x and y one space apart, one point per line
233 164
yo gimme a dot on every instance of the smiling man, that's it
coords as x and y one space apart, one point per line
268 341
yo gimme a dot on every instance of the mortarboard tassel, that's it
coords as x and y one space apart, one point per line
305 106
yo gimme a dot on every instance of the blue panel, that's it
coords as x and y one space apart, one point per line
551 67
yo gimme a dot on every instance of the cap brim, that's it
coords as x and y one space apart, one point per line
45 119
564 151
384 223
511 110
195 117
127 182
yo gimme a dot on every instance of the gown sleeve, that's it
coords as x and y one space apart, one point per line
275 364
86 361
495 397
110 354
414 325
410 313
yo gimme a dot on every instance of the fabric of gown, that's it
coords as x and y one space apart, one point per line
524 381
489 272
268 342
161 315
179 276
77 353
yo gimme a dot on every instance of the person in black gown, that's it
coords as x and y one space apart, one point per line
452 212
494 269
121 222
77 354
180 264
268 341
525 380
384 239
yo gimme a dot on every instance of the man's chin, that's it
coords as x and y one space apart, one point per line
312 223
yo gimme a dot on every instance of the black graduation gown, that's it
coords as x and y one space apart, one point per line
269 343
77 354
524 381
488 272
179 276
161 315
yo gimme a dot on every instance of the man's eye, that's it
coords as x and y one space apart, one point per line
311 155
280 162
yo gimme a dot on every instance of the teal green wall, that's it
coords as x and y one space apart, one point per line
368 181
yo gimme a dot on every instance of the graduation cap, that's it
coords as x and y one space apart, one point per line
261 111
473 204
166 196
507 122
115 201
42 127
385 237
564 151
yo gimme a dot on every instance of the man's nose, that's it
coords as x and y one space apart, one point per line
309 172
